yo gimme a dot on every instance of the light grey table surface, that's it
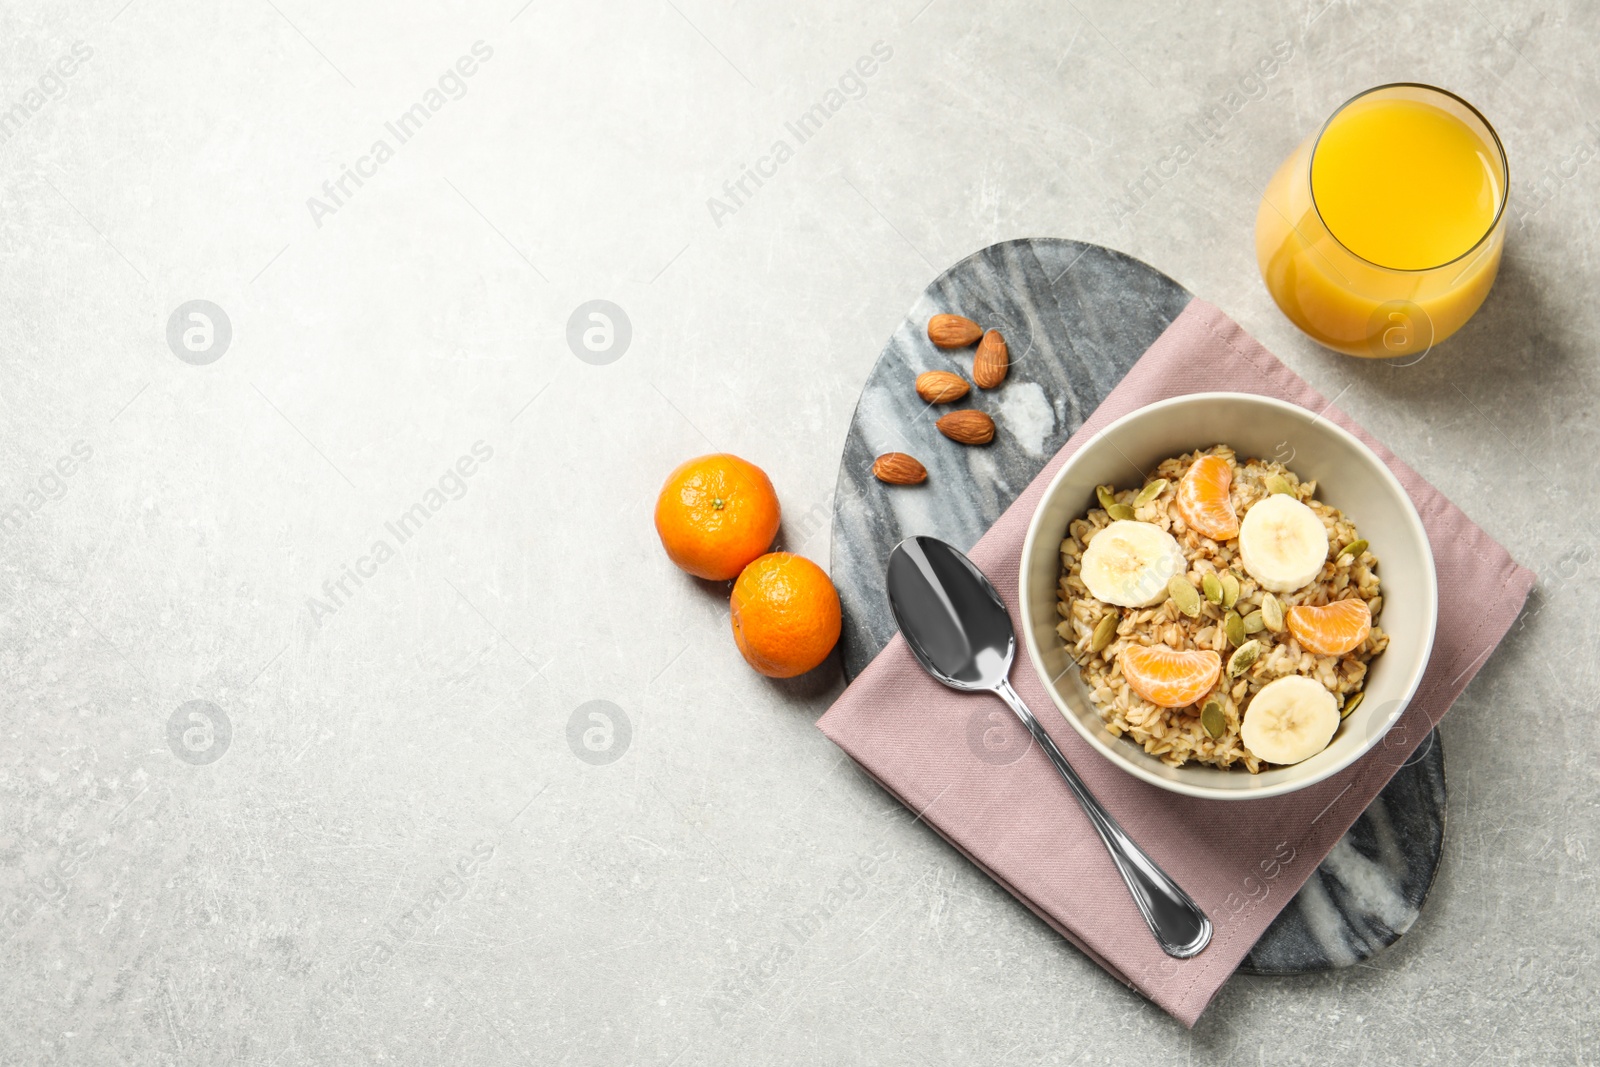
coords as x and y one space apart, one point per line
410 849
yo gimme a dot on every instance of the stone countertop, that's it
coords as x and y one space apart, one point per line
352 712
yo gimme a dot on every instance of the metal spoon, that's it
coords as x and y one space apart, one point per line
959 630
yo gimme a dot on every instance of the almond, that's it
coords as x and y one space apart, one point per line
968 427
941 386
897 468
953 331
989 366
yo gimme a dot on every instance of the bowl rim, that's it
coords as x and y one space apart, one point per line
1120 759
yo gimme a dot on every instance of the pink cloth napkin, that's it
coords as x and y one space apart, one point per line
1242 861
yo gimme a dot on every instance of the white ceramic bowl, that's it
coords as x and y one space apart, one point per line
1348 477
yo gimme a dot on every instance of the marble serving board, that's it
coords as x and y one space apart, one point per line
1076 317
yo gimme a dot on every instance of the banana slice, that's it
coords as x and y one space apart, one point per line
1282 543
1290 720
1130 563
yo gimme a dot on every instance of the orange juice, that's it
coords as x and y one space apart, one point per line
1381 235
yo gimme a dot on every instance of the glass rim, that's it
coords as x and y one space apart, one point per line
1494 136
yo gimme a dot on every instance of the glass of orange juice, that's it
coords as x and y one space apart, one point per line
1381 234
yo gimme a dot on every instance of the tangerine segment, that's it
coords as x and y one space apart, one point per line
1332 630
785 615
715 514
1170 679
1202 499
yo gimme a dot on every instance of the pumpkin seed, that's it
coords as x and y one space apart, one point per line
1233 626
1213 587
1243 658
1277 483
1352 704
1230 589
1104 494
1120 511
1272 613
1185 597
1353 549
1150 492
1254 623
1104 631
1211 718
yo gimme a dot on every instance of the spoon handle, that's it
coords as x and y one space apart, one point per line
1177 922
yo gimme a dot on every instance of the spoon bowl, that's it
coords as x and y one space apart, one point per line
952 617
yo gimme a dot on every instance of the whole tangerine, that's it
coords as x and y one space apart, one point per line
715 514
785 615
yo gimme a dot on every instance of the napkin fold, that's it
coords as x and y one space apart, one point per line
1241 860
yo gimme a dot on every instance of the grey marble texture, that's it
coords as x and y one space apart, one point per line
514 797
1077 316
1370 889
